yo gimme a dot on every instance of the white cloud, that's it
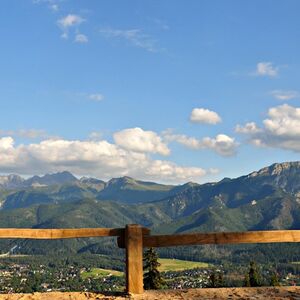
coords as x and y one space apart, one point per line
7 152
202 115
250 127
70 20
94 158
284 95
284 120
281 129
266 69
135 37
137 139
96 97
67 22
221 144
160 169
6 143
81 38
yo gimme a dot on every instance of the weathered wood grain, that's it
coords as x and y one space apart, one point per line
121 238
134 259
67 233
274 236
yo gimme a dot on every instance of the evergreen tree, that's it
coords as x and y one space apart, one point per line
216 280
152 277
213 280
220 280
254 276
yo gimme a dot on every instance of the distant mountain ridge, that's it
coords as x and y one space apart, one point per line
65 187
124 189
265 199
13 181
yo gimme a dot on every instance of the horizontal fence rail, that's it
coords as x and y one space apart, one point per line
275 236
135 237
52 234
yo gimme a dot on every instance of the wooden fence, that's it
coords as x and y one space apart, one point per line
135 237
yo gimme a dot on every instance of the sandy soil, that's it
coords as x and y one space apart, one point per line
292 293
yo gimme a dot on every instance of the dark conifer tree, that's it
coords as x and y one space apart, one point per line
216 279
254 276
213 280
220 280
152 277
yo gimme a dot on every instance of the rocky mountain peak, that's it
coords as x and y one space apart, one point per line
51 179
121 181
11 181
276 169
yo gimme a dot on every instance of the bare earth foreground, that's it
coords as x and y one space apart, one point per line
221 293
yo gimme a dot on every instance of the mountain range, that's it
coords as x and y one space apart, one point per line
64 186
265 199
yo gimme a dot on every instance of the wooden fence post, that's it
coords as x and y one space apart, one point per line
134 259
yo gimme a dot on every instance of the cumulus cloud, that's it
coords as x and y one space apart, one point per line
284 120
96 97
135 37
280 130
95 158
81 38
221 144
202 115
284 95
160 169
266 69
137 139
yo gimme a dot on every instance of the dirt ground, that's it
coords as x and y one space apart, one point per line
292 293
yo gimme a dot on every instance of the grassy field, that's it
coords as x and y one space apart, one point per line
179 265
166 265
98 272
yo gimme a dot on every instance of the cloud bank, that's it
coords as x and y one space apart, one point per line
95 158
222 144
281 129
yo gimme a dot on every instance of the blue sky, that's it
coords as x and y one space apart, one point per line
171 91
